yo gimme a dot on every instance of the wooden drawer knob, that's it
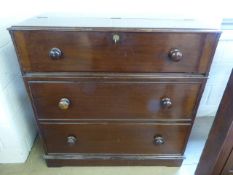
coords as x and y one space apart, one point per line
158 140
55 53
64 103
166 102
71 140
175 55
116 38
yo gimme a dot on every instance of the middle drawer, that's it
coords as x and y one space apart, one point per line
114 100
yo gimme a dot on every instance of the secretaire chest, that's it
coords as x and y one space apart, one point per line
114 91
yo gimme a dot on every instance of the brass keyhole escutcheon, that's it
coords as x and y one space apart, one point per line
116 38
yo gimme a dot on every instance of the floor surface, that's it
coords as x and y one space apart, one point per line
35 165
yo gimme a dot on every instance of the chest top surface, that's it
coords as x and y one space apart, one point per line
126 24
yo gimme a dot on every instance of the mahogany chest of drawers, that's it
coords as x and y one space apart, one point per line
114 91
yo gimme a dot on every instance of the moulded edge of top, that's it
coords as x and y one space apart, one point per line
55 22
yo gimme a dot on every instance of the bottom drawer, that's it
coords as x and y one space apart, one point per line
115 138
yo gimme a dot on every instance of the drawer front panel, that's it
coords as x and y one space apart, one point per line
125 138
114 100
101 52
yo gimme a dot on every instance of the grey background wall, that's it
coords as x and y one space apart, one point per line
17 126
219 75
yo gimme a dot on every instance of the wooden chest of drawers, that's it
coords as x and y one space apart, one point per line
114 93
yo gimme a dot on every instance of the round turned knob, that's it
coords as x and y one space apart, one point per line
116 38
158 140
71 140
166 102
175 55
64 103
55 53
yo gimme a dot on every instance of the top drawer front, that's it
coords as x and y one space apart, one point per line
113 51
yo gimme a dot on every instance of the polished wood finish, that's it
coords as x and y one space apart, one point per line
217 158
73 23
114 77
228 168
166 103
96 51
64 103
55 53
175 55
58 161
117 138
116 100
122 95
71 140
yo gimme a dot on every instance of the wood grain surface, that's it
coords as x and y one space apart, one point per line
97 51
